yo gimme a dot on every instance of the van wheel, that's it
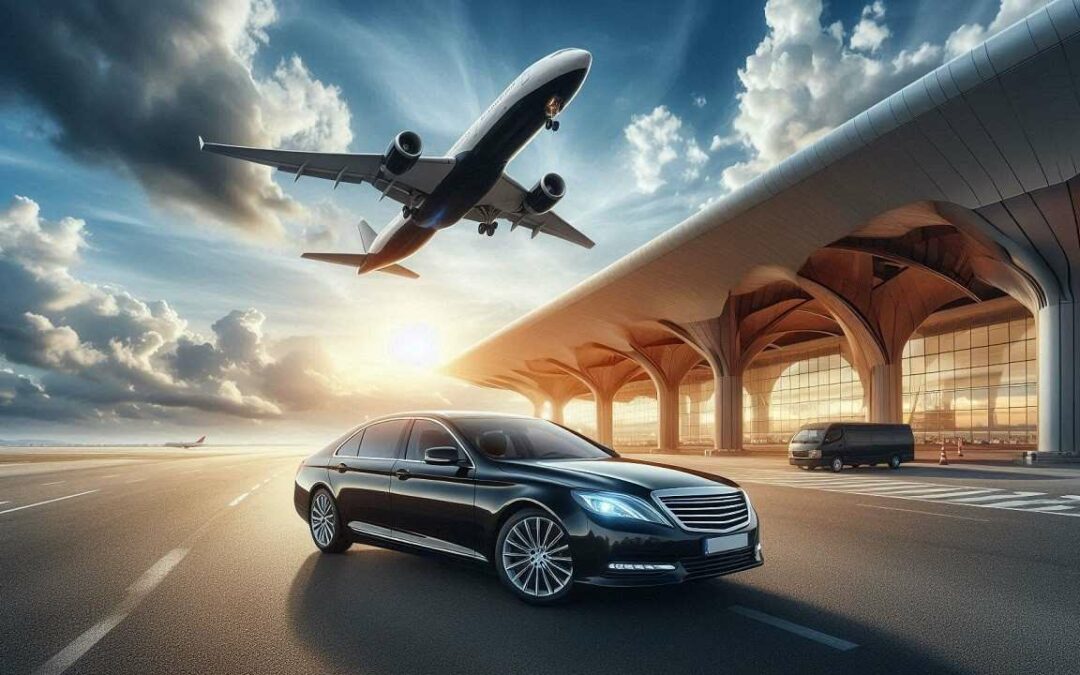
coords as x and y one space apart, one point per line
894 462
837 464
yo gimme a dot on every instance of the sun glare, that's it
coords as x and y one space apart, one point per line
416 345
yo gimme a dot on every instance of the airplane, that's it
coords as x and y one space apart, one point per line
186 445
466 183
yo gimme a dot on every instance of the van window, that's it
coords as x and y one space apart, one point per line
808 436
834 435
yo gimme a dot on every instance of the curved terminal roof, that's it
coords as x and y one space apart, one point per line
999 122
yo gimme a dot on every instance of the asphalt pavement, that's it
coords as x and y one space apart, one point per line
195 562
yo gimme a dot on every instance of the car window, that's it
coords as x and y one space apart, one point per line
525 438
427 434
350 447
833 435
382 439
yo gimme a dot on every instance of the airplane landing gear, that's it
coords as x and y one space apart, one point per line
551 124
407 211
487 228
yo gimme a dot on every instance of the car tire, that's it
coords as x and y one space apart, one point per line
324 523
894 462
837 464
532 557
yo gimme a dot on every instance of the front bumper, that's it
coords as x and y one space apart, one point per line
601 545
807 461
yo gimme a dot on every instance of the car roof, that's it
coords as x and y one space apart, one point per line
446 415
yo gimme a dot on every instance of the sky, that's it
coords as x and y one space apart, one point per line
150 292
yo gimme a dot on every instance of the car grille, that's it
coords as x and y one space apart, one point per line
719 563
719 512
800 453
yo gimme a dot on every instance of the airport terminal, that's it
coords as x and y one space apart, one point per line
919 264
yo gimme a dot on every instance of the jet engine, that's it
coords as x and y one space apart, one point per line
403 152
545 194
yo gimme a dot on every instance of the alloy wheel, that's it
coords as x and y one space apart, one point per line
323 520
536 557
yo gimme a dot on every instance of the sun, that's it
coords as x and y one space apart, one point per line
415 344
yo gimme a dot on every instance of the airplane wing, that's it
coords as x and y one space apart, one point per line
507 196
420 180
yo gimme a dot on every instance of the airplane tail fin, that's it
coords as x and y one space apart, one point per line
347 259
399 270
367 235
200 441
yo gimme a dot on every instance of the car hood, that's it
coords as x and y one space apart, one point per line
616 473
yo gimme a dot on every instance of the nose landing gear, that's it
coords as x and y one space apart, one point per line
551 124
487 228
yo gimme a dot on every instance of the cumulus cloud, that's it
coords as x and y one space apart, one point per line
106 354
656 140
804 79
172 70
870 33
968 36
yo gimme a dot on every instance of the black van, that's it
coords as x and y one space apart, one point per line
839 444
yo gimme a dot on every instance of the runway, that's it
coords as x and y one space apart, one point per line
166 562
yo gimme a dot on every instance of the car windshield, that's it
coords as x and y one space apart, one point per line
523 438
808 436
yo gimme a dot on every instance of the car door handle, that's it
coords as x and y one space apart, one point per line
342 468
402 474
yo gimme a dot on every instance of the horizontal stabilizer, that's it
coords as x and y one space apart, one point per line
399 270
347 259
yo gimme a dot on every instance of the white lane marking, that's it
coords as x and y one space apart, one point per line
47 501
4 502
797 629
67 656
1023 503
961 493
256 486
925 513
135 480
998 497
1055 507
239 499
266 481
55 482
111 475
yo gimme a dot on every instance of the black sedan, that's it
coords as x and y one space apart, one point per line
546 507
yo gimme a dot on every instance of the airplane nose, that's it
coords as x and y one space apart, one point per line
581 58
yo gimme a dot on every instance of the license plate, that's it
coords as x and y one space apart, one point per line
728 543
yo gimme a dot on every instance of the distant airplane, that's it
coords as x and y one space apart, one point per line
468 182
186 445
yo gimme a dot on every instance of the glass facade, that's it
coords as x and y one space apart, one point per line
579 414
636 416
696 405
780 395
976 382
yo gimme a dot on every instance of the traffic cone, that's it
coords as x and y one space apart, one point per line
959 447
942 459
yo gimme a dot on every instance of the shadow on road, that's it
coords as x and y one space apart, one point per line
381 611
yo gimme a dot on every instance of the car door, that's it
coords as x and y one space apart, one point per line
434 505
360 475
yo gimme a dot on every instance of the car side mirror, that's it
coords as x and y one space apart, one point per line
443 455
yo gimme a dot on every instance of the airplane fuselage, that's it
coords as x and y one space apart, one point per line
481 154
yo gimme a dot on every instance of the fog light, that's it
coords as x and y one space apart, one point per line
814 454
641 567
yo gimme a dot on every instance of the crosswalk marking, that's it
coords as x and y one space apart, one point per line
938 493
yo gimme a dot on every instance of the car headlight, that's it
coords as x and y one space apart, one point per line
615 505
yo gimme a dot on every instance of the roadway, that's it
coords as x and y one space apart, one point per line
166 562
